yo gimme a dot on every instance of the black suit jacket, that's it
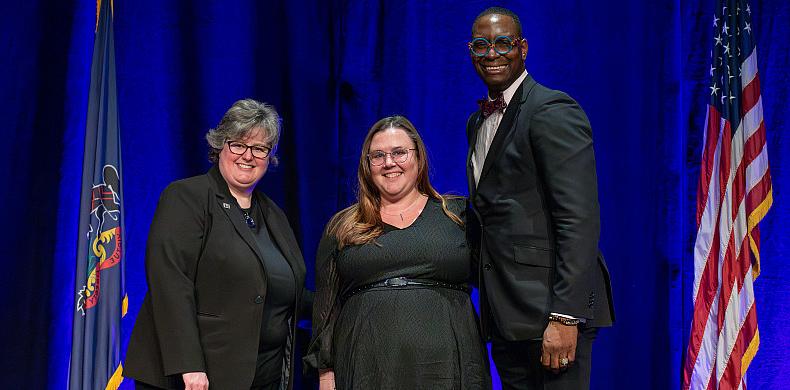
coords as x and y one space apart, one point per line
206 288
534 221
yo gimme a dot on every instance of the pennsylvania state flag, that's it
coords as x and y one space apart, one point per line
100 293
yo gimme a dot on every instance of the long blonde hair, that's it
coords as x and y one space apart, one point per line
361 222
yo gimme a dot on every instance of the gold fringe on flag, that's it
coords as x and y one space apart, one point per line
757 215
750 352
116 379
98 7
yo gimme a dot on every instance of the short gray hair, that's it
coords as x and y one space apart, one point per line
242 118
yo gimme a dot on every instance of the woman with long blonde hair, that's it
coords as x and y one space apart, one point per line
392 307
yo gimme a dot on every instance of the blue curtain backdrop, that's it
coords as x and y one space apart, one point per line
639 69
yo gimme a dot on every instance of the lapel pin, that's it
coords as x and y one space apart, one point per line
225 205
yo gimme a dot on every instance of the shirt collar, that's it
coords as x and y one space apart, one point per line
511 90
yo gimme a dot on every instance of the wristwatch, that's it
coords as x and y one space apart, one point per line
564 320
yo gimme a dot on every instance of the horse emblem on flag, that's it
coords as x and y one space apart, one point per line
104 236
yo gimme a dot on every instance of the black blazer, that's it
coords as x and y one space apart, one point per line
534 223
206 288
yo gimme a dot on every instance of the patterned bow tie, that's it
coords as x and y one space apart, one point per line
488 107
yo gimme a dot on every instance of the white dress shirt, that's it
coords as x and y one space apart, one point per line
488 129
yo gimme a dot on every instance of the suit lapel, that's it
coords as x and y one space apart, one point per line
506 126
229 206
473 127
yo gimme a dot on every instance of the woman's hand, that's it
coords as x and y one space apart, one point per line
196 380
326 380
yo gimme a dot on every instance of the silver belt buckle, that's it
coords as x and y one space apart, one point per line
396 282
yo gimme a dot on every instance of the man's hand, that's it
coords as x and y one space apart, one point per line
195 381
559 343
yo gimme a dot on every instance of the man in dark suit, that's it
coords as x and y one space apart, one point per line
544 288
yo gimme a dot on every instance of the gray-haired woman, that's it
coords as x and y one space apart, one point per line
225 274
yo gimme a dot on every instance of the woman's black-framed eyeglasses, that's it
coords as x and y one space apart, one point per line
240 148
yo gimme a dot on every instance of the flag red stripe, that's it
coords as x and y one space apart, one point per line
725 159
706 170
712 384
750 94
728 278
759 192
709 279
702 305
754 145
756 237
733 369
724 181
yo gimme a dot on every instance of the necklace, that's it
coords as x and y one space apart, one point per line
400 213
248 218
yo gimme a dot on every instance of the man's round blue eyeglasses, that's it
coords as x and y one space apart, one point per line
503 44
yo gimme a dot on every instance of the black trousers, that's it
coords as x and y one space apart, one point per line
145 386
519 367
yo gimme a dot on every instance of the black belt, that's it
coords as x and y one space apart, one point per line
402 281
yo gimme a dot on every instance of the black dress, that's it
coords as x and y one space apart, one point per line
411 337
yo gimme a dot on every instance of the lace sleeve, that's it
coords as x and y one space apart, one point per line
326 305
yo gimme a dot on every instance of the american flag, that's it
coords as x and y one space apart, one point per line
734 194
